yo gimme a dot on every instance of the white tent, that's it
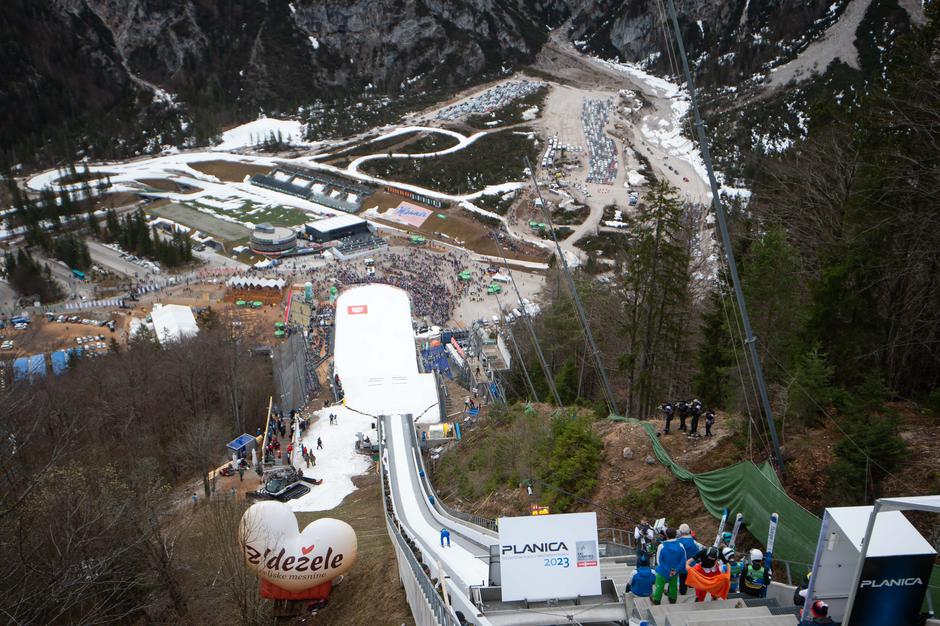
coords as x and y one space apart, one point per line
173 322
253 282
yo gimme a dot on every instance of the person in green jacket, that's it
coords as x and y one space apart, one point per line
754 576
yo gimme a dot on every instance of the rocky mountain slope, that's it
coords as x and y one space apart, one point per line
114 77
65 63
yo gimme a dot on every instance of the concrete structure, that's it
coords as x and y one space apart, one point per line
326 189
272 240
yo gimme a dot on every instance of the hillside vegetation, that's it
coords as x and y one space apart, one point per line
838 252
92 531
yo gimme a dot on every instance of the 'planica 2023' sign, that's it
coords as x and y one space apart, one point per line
549 556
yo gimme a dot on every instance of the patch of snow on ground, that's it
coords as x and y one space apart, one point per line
667 134
337 462
635 179
530 114
253 133
314 43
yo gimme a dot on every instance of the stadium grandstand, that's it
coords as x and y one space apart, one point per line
330 191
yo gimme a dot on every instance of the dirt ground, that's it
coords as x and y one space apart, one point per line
459 229
256 324
652 487
163 184
370 593
229 171
115 200
43 336
268 296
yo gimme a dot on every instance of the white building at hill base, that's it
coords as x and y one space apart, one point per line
173 322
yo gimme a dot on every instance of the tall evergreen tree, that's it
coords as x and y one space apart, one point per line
657 292
714 358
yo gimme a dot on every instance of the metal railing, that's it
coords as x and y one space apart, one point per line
616 536
478 520
444 614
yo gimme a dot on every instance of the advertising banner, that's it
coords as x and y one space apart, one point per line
891 590
544 557
407 214
293 561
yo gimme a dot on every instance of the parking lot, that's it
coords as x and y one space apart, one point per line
42 335
490 100
602 151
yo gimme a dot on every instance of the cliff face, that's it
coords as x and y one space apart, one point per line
92 72
66 63
295 50
727 39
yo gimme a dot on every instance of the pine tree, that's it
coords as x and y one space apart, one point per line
657 283
714 356
113 225
770 276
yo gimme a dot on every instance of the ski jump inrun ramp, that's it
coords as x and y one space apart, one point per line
376 360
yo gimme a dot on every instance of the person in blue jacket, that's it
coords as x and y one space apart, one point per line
670 560
692 547
445 536
641 585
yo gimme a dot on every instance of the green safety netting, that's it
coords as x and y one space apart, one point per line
755 491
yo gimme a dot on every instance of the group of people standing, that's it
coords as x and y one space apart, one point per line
682 562
691 411
670 561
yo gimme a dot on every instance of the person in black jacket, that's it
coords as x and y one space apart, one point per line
799 594
683 407
668 411
709 421
695 408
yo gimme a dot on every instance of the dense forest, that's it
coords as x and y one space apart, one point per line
133 234
30 277
839 252
89 531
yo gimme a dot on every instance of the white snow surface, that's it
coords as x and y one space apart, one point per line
253 133
375 355
337 462
377 365
666 134
635 179
465 565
